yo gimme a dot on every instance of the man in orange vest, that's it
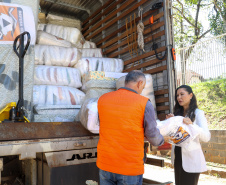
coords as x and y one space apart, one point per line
126 118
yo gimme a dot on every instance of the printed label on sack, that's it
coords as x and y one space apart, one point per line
11 22
179 136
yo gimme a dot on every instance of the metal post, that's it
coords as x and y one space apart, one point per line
169 61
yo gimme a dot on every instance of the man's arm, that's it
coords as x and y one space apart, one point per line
151 131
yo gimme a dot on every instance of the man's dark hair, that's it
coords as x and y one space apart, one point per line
134 76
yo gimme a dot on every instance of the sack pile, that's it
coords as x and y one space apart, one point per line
148 91
63 58
64 21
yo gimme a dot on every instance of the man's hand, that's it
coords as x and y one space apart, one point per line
167 138
187 121
169 115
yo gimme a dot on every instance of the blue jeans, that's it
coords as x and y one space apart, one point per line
108 178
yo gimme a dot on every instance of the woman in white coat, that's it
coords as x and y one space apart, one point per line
189 162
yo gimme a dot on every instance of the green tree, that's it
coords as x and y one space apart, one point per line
187 26
217 17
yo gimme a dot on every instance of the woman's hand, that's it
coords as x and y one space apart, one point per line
187 121
169 115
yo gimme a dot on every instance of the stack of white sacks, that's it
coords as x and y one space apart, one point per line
89 112
62 77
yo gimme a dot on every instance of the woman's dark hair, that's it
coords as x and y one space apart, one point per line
179 110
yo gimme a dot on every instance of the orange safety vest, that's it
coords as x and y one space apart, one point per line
121 145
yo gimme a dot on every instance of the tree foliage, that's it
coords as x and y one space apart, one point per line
187 26
187 14
217 17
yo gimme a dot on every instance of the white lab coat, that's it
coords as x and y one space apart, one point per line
193 159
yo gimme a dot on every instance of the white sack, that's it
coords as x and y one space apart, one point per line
57 109
96 92
100 64
63 21
54 117
89 44
57 95
56 55
100 84
72 35
174 127
45 38
89 115
92 52
148 90
50 75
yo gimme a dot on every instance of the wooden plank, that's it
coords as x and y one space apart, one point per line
127 3
162 100
153 27
155 162
157 69
145 64
123 35
164 107
109 9
116 19
161 92
124 27
150 53
97 11
126 49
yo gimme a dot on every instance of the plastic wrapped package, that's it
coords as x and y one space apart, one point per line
181 133
93 93
42 18
54 118
92 52
99 64
63 21
57 95
57 109
69 34
96 92
100 75
148 90
100 84
89 115
56 113
56 55
99 79
51 75
89 45
45 38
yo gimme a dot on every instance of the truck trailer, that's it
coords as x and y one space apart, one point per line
64 153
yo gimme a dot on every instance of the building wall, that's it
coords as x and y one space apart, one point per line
215 149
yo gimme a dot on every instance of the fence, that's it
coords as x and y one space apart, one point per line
203 61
